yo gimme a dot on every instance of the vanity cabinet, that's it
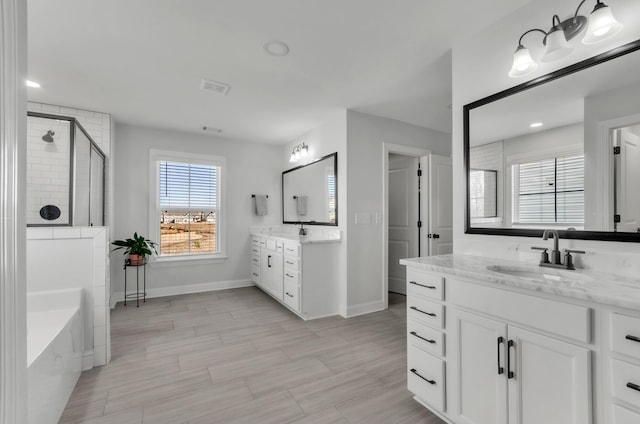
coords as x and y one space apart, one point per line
484 355
300 274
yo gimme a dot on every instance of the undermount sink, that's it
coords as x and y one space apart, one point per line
548 274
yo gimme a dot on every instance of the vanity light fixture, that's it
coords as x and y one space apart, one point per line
600 25
298 152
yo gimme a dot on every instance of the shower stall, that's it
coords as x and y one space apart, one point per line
65 173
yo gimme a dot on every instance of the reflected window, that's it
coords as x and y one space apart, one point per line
483 193
549 191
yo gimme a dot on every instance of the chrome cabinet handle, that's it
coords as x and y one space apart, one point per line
413 333
423 312
413 370
422 285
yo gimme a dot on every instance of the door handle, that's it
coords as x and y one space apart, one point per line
510 344
500 367
436 236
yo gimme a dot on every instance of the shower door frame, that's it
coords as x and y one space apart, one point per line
72 165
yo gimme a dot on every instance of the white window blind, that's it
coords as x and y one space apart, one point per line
549 191
187 186
331 194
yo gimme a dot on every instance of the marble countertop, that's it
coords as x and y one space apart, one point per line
584 285
308 239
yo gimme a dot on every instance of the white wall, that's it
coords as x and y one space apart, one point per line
480 67
252 168
329 138
365 137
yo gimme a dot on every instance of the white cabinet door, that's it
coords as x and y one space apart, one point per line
480 383
272 273
551 381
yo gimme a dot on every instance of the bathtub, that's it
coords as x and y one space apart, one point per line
55 343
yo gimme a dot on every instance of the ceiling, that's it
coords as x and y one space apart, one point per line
143 60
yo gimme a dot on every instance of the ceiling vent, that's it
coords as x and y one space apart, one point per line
212 130
214 87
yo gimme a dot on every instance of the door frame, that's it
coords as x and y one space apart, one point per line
604 166
400 150
13 296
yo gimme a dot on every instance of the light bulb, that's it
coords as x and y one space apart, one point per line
523 63
305 150
292 159
602 25
557 46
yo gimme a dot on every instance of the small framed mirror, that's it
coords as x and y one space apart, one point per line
310 193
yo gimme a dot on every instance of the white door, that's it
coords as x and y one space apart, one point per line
551 380
628 181
440 232
403 217
481 380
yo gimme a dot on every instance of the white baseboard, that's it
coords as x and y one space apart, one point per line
186 289
364 308
87 360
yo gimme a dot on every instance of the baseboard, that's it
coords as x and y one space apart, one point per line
87 360
186 289
364 308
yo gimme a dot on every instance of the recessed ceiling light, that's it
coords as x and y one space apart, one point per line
276 48
32 84
536 125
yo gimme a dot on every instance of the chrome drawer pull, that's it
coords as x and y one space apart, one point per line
422 285
633 338
413 370
633 386
413 333
288 294
423 312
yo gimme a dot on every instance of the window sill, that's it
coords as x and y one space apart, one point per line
184 260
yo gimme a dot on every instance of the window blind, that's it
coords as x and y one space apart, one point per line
550 191
188 186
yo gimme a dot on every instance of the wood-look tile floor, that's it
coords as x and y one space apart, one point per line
237 356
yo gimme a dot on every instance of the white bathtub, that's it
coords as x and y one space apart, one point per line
55 341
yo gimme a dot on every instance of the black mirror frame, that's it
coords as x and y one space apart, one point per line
582 235
335 167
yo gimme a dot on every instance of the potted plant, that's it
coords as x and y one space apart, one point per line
137 248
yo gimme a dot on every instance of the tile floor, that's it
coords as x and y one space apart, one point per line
237 356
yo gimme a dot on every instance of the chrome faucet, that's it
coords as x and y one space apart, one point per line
302 231
556 257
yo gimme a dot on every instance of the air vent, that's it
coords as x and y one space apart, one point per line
212 130
214 87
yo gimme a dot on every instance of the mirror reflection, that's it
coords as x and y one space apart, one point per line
564 154
309 193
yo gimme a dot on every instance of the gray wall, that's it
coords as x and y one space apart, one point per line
252 168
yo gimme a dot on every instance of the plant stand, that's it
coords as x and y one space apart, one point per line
138 293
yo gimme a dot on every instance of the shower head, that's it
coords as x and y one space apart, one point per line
48 137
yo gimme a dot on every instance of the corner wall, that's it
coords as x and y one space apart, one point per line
480 67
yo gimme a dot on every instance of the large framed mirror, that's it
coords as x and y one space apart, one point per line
310 192
565 149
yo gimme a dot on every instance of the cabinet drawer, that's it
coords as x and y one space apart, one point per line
425 312
426 338
292 296
292 249
626 382
255 241
625 335
255 274
291 277
255 250
425 377
292 263
425 284
279 247
624 416
564 319
255 261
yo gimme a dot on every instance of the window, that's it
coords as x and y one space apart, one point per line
549 191
187 213
331 195
483 189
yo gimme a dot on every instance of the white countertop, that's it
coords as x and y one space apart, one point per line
584 285
308 239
